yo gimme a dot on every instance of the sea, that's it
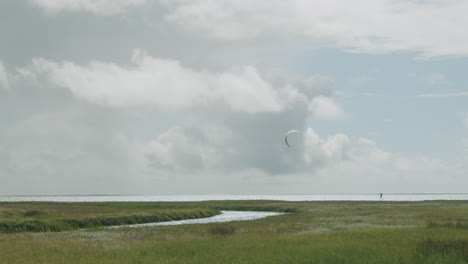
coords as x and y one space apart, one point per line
196 198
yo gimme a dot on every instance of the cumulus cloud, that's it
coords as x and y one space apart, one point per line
318 150
325 108
99 7
246 136
65 123
314 164
238 121
169 85
4 83
231 149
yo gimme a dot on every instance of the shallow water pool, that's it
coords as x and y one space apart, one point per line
225 216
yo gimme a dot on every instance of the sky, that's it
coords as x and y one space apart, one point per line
195 96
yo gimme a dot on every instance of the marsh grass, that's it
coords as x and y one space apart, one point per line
457 224
222 229
31 213
318 232
55 217
448 248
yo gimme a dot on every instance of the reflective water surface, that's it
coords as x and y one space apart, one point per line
225 216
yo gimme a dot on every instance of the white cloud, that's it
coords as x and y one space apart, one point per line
240 116
239 147
370 153
165 84
313 164
76 143
318 150
435 95
99 7
227 149
168 85
369 168
325 108
187 149
4 82
429 27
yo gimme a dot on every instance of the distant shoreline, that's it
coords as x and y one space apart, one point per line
199 198
24 195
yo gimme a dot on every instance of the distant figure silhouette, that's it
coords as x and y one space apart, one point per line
381 194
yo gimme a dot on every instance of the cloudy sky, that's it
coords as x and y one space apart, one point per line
195 96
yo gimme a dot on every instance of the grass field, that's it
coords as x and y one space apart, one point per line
313 232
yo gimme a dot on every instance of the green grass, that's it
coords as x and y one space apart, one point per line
317 232
460 224
222 229
55 217
456 249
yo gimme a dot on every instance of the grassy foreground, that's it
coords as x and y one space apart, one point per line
315 232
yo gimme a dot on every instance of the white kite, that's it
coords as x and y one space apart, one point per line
287 134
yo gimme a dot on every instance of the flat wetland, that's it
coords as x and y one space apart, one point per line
310 232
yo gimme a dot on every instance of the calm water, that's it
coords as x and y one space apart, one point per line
194 198
225 216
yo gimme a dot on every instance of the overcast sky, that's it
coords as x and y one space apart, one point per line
196 96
